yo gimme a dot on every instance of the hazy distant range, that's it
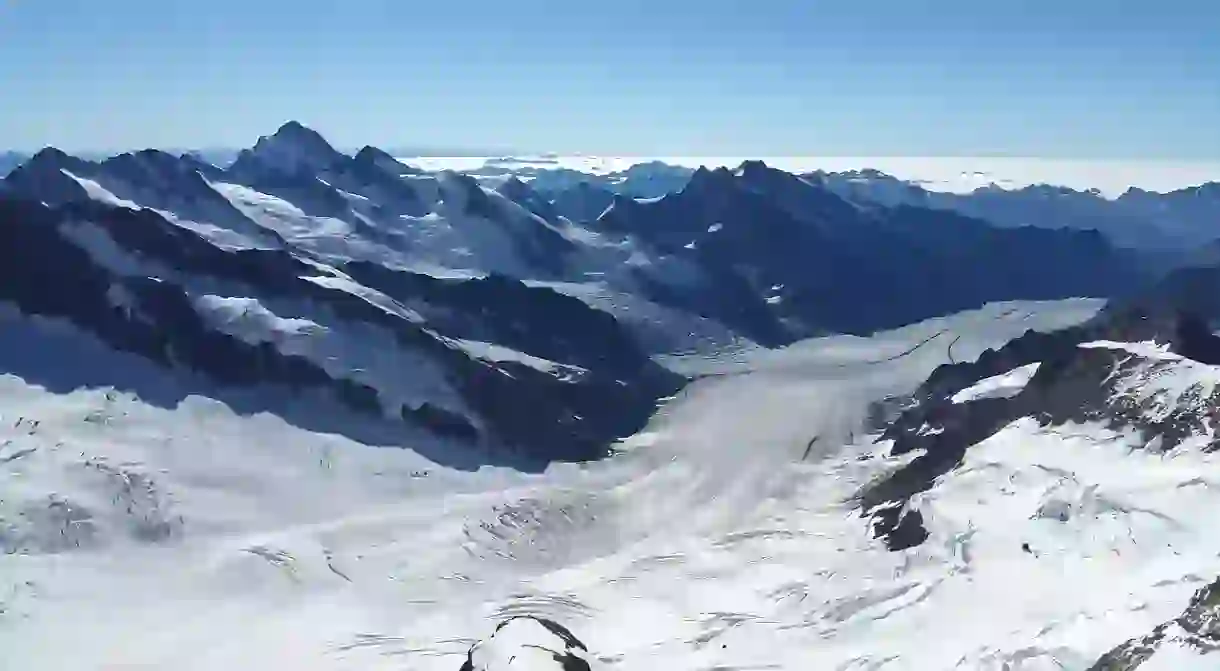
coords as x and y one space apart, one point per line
950 174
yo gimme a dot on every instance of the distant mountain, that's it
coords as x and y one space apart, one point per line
648 179
652 179
1141 219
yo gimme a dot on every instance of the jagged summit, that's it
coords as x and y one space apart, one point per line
292 149
370 155
706 179
751 166
51 159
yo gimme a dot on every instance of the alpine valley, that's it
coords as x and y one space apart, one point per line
319 410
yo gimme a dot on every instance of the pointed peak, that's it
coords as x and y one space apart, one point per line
372 156
295 128
51 155
296 133
53 159
294 148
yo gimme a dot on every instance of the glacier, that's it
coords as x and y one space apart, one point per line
710 544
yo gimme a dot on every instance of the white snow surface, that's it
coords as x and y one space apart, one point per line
99 193
498 353
1145 349
1175 652
1161 382
357 351
1005 385
711 544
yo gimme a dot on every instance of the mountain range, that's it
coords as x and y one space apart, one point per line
306 268
1175 220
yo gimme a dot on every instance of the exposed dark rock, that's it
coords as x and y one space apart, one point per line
528 635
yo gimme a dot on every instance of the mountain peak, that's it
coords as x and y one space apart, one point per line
52 156
752 166
704 178
372 156
46 164
299 131
291 149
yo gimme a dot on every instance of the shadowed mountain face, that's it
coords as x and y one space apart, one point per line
511 318
266 317
789 259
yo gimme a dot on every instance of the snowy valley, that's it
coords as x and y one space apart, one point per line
323 411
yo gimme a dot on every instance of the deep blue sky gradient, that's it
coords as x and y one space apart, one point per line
1068 78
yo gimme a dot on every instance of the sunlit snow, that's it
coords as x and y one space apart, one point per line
999 386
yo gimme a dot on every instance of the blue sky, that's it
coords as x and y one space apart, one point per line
1068 78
